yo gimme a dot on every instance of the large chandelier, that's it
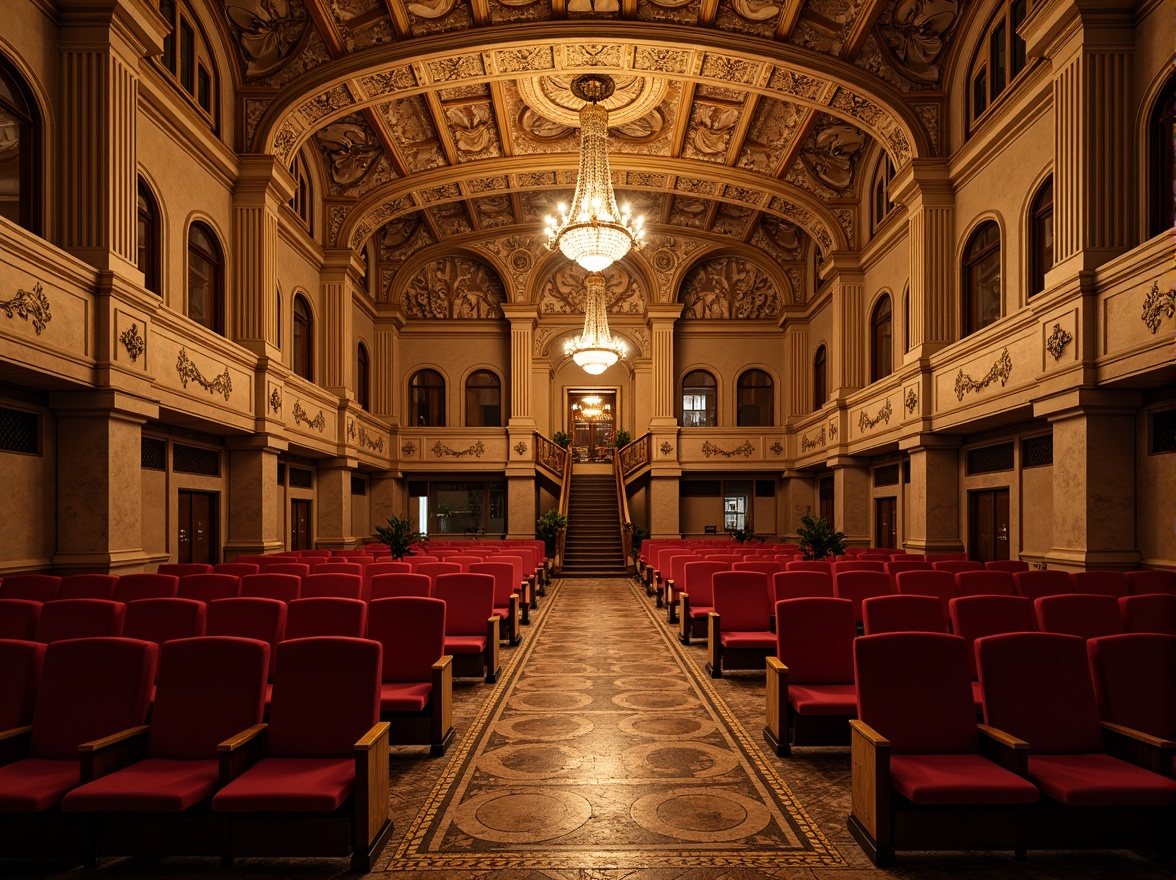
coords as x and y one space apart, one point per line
594 232
595 349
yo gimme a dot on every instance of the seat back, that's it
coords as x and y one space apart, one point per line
412 631
697 581
858 565
955 565
984 583
238 569
1103 583
292 569
940 584
162 620
665 558
326 616
338 567
860 585
741 599
20 670
207 587
897 613
248 617
179 569
378 568
810 565
677 572
505 583
895 568
146 586
801 584
769 567
79 619
1148 613
974 617
1134 677
1037 687
387 586
814 639
518 563
326 696
1035 584
416 559
1009 565
1078 614
465 560
208 689
90 688
1151 580
432 570
914 689
88 586
18 619
271 585
36 587
332 585
469 602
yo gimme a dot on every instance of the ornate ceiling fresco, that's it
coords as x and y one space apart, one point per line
744 126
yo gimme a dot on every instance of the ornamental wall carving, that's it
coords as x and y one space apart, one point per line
729 287
453 287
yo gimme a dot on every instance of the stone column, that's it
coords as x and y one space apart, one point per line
933 514
798 392
263 185
847 354
333 500
664 472
385 363
340 278
99 498
256 521
851 499
521 496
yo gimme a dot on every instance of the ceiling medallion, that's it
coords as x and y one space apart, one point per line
552 97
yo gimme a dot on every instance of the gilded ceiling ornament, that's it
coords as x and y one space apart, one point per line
754 10
914 34
268 32
710 130
773 128
784 235
352 151
564 291
594 7
431 8
474 132
831 155
729 287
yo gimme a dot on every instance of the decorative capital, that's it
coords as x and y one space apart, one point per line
133 342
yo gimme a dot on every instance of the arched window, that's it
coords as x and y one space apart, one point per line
483 400
302 359
278 315
906 320
1163 161
188 58
754 399
699 400
1041 241
881 341
1000 56
426 399
149 238
301 203
981 305
363 374
20 149
880 203
206 278
820 378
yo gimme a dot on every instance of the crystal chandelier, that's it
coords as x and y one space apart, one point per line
594 232
591 408
595 349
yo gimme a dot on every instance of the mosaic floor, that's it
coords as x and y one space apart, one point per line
605 752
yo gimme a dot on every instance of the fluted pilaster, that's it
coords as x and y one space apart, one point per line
263 186
924 187
800 371
847 357
383 373
340 281
661 319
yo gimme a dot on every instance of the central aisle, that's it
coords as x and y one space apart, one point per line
603 746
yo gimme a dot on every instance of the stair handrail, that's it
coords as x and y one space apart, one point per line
636 455
565 496
623 507
550 456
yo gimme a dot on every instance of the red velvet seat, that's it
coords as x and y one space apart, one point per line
739 634
20 671
1148 613
858 564
810 691
1009 565
239 569
768 567
956 565
347 568
162 620
974 617
1151 580
985 583
1035 584
290 569
1103 583
209 587
378 568
506 596
388 586
332 585
1078 614
471 626
859 585
326 616
903 613
664 566
920 780
88 586
928 582
416 690
674 581
249 617
271 584
464 560
810 565
526 584
79 619
179 569
146 586
896 567
35 587
696 598
18 619
432 570
317 778
801 585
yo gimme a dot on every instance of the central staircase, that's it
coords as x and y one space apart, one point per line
592 544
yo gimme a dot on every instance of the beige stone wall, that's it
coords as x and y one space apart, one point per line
1155 527
455 357
1035 516
29 498
726 352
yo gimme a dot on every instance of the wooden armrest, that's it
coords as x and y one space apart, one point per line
1138 735
101 757
999 736
371 788
441 702
1136 747
238 753
14 744
777 703
870 781
873 737
1004 749
373 736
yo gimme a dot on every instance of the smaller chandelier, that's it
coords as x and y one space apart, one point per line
594 232
591 408
595 349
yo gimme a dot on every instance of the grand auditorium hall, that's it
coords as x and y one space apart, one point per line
588 439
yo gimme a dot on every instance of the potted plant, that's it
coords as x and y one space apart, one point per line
742 536
547 527
640 533
444 511
399 536
622 438
818 540
561 439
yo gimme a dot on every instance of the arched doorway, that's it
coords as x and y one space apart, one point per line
591 415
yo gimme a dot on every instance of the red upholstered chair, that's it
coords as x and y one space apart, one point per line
88 586
528 569
316 782
331 585
162 620
20 670
146 586
378 568
471 626
1035 584
524 583
35 587
292 569
416 691
239 569
946 557
1151 580
908 557
90 689
249 617
420 559
506 596
271 585
921 780
326 616
810 691
433 569
207 587
858 564
697 598
79 619
899 613
739 634
860 585
18 619
810 565
1088 616
985 583
767 566
1104 583
335 567
673 581
974 617
1009 565
1148 613
801 585
1037 687
956 565
896 567
940 584
465 560
388 586
208 690
663 568
179 569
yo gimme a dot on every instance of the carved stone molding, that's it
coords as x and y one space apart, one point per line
189 372
440 449
912 400
351 429
133 342
29 305
1156 306
1001 369
408 449
275 401
777 448
319 422
1057 342
807 442
832 429
865 423
666 448
375 444
745 449
520 448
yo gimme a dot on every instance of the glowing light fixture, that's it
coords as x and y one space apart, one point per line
591 408
594 232
595 349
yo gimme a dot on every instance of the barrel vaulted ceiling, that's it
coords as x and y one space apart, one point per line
443 131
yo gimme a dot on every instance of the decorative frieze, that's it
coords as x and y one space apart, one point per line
408 449
520 448
745 449
375 444
912 400
275 401
777 448
808 443
1057 342
1001 369
29 305
133 342
1156 306
189 372
440 449
319 422
865 423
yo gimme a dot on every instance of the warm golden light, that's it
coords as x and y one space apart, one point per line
594 349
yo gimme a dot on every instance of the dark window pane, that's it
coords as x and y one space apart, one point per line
1018 15
754 399
820 387
979 94
483 400
882 346
997 59
1163 150
187 56
203 89
699 400
168 9
982 286
204 278
362 377
302 358
1041 251
426 399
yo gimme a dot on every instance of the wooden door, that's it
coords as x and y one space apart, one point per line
885 522
300 530
988 525
198 527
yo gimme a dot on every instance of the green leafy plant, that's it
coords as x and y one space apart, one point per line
547 526
561 439
400 536
639 535
743 535
818 540
622 438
